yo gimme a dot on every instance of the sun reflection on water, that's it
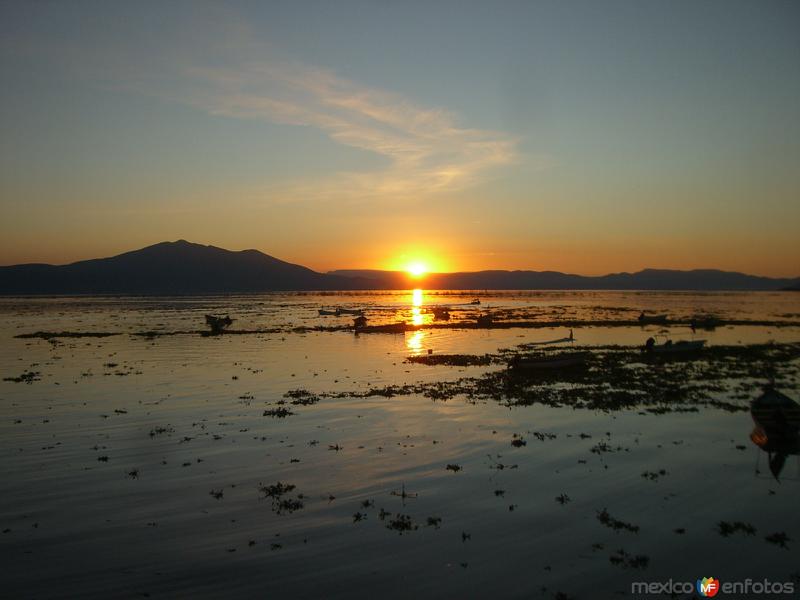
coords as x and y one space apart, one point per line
416 310
414 342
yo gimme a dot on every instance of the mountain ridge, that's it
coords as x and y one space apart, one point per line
186 268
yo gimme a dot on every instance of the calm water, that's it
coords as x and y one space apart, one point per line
132 465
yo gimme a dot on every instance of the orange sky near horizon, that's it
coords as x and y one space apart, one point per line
447 255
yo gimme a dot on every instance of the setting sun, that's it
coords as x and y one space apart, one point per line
417 269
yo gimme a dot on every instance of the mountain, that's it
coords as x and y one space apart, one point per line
170 268
648 279
185 268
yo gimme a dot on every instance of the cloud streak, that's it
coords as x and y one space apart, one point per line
217 64
428 152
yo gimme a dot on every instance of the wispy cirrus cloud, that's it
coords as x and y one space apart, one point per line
216 63
428 151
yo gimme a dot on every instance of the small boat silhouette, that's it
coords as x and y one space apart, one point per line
777 428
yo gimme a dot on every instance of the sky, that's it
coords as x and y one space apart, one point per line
586 137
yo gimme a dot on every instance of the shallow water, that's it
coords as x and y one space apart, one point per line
181 416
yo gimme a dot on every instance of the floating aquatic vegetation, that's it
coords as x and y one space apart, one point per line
301 397
278 413
628 561
454 468
518 441
602 448
563 499
654 475
498 465
161 430
26 377
726 529
280 504
606 519
619 378
434 522
216 494
779 539
451 360
276 490
401 523
49 335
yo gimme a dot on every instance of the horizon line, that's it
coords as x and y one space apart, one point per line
403 272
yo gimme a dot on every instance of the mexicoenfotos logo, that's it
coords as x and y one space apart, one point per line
707 587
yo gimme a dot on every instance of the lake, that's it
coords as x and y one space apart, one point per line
297 458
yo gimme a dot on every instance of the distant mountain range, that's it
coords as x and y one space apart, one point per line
647 279
185 268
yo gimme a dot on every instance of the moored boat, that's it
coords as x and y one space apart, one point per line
670 347
776 412
777 428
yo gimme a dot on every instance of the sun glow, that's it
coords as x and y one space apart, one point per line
417 269
418 260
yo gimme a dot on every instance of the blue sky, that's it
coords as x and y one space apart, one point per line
581 136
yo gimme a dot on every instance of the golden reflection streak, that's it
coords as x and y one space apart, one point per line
414 342
416 310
